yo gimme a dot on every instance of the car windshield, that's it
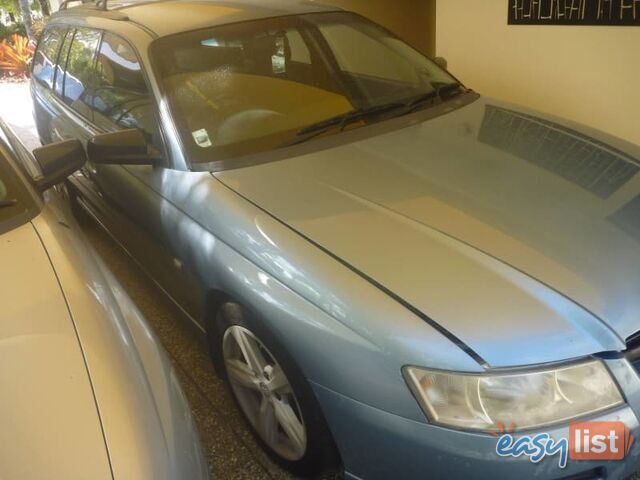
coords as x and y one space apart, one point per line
249 87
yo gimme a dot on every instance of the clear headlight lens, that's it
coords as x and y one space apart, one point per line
527 400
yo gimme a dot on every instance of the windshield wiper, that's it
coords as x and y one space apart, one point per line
8 202
341 121
438 93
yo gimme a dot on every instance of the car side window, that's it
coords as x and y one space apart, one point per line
362 55
80 74
299 50
62 63
121 98
45 58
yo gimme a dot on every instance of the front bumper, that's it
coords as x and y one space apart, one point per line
375 444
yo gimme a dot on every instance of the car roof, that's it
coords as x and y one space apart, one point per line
166 17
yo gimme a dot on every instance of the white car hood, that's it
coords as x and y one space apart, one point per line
50 427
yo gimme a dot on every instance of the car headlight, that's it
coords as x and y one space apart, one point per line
527 400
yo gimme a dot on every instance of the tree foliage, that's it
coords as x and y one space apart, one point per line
22 10
10 6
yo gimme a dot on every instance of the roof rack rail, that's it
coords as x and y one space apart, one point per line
100 4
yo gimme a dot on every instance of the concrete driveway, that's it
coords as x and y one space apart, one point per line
15 109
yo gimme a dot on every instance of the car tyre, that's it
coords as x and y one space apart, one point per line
293 401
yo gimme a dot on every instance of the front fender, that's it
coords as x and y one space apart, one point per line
343 332
146 420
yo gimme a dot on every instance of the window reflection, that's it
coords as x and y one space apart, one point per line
121 98
46 56
62 63
79 77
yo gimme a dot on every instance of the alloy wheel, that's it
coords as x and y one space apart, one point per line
264 393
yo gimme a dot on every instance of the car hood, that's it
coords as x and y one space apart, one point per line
50 426
516 232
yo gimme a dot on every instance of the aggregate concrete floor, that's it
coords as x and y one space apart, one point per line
231 450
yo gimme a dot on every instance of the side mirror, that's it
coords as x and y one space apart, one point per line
57 161
124 147
441 62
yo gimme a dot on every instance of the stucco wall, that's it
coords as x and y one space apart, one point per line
587 74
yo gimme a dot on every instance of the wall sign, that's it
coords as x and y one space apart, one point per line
574 12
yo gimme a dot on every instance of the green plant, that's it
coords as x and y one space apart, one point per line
7 30
10 6
16 56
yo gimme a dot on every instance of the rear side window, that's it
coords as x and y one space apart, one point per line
121 98
80 74
62 63
299 50
360 54
45 58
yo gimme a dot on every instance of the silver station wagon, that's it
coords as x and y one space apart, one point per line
86 390
391 269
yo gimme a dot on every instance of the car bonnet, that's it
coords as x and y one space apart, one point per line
517 232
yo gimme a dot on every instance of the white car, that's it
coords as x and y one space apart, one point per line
86 391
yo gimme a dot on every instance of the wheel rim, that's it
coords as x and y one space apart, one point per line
264 393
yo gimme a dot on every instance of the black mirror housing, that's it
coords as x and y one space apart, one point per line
57 161
124 147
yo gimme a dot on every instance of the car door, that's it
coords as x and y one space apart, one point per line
132 211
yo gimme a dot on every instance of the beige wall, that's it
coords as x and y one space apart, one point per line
586 74
411 20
